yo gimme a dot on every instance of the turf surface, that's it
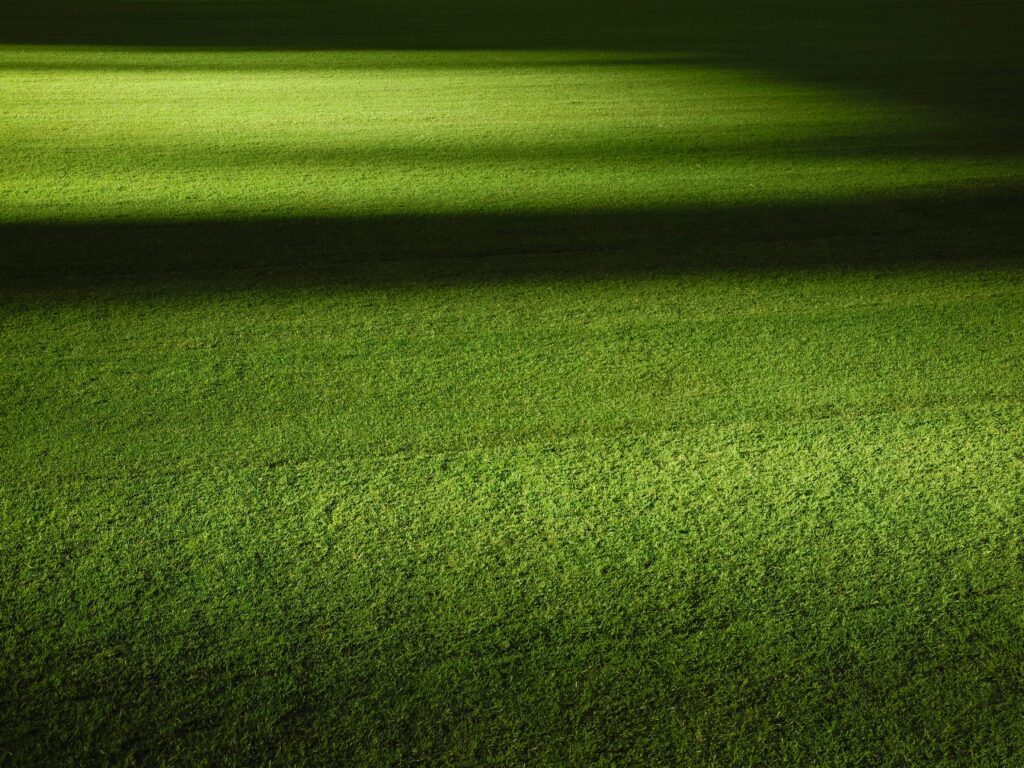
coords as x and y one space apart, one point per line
533 384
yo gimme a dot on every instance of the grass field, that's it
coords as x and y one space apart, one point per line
452 383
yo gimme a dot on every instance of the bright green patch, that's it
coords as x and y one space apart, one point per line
95 135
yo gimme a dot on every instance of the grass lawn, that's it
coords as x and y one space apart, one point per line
528 384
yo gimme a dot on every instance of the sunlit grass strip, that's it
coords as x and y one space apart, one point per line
204 135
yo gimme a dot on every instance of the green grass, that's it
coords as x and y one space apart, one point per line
101 134
438 385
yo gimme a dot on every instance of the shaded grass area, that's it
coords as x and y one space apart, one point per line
58 261
450 384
